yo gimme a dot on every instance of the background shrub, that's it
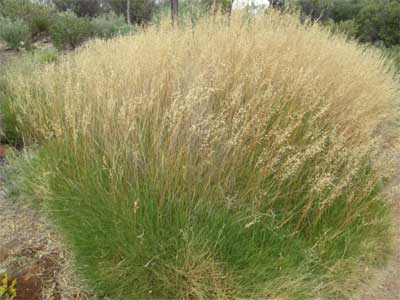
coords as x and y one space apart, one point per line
369 21
324 10
110 25
15 33
69 31
37 16
87 8
141 11
348 27
40 22
379 22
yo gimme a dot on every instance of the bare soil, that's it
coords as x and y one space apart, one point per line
386 285
32 252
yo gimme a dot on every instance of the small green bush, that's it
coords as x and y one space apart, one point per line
40 23
69 31
110 25
15 33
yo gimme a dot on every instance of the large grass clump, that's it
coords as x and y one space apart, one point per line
229 160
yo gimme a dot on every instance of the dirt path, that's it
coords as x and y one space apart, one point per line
31 252
386 285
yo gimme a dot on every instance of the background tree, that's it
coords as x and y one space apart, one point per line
315 9
174 11
369 21
379 21
345 10
128 11
225 6
140 11
87 8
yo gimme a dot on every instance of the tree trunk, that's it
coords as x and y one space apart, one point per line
128 11
214 7
174 11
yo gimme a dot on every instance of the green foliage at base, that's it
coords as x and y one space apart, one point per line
115 226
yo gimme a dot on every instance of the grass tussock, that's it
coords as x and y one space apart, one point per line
229 160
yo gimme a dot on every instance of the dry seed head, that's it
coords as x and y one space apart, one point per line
225 105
